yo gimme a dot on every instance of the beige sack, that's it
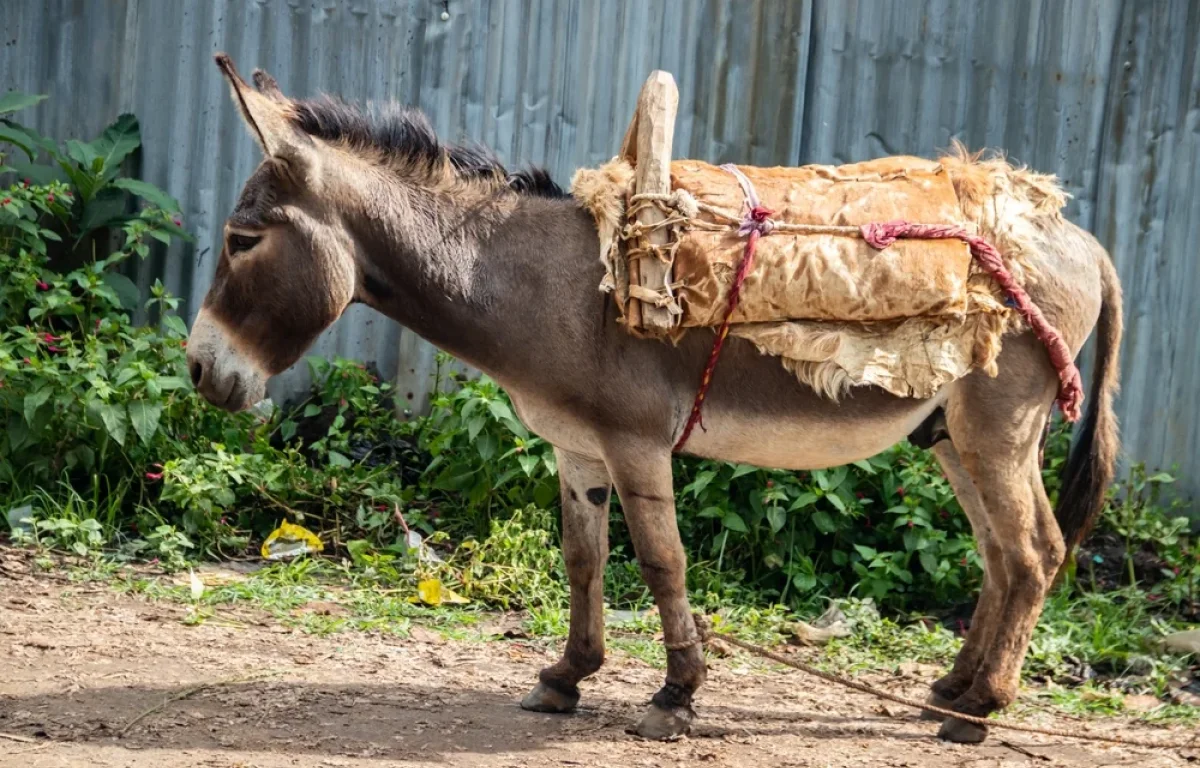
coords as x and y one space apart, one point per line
838 313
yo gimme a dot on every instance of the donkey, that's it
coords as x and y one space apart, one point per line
500 270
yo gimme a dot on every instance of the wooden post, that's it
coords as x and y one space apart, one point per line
654 126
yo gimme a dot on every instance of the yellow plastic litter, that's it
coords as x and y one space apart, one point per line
433 592
290 540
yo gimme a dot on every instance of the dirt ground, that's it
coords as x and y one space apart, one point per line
80 663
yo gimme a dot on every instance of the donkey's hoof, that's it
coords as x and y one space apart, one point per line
543 698
664 724
936 701
962 732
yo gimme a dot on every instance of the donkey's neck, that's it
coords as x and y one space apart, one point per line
486 282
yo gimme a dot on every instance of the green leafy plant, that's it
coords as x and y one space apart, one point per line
482 454
83 391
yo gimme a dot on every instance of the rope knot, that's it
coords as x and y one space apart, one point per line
883 234
758 219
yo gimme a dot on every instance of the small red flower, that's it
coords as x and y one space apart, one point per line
860 495
963 562
342 403
900 490
98 321
6 201
910 523
68 195
25 183
155 475
49 198
50 338
1152 598
183 344
770 483
27 362
177 221
53 348
43 285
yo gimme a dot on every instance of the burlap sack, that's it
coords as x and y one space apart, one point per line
823 276
838 313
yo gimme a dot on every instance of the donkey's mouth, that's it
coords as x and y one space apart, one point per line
239 398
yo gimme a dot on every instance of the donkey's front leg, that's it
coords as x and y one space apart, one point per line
585 489
643 480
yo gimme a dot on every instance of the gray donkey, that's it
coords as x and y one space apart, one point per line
501 271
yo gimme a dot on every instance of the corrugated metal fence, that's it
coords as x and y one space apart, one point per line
1105 93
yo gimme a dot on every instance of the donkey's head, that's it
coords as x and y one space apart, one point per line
287 267
338 192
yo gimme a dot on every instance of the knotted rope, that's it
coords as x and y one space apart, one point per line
755 222
706 634
1070 386
754 225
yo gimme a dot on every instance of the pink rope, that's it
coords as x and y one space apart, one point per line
880 235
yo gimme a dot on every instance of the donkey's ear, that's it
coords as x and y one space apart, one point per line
266 113
267 86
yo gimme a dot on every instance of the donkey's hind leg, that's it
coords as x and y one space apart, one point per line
995 583
998 447
585 489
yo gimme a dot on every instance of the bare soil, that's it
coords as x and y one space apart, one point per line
79 663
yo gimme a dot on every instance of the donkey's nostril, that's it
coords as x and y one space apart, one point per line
197 371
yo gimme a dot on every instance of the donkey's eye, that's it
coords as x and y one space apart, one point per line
239 243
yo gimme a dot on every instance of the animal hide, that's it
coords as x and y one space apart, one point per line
838 313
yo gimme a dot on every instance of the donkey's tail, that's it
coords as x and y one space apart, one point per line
1090 467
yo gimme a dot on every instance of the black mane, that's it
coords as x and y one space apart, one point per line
406 132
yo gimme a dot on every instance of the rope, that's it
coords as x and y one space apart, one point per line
754 225
756 222
1070 386
707 634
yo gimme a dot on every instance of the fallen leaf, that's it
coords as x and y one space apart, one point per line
1140 703
324 608
423 635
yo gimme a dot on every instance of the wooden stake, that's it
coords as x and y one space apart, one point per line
654 126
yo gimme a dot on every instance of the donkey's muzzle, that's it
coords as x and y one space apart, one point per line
220 372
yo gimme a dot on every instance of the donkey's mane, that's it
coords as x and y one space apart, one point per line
404 134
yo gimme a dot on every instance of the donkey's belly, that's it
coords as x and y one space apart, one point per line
807 438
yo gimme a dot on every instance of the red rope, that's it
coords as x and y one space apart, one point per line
1070 385
880 235
756 223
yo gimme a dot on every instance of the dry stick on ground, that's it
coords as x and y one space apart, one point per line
15 737
192 692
